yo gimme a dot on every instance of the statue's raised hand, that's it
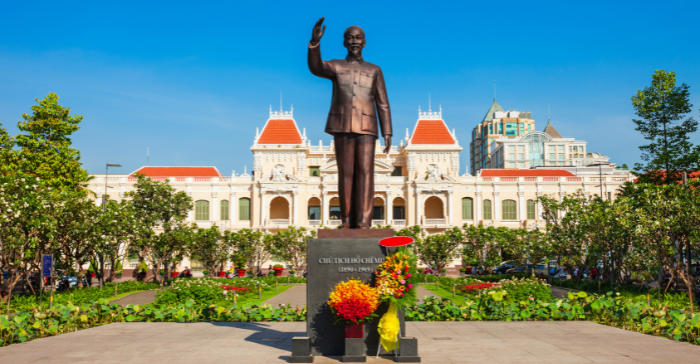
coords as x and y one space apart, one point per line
317 33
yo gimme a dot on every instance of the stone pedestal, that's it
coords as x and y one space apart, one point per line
301 351
332 259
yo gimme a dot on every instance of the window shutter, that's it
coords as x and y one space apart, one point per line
244 209
224 210
467 209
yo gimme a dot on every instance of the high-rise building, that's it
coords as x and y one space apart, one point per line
497 124
508 140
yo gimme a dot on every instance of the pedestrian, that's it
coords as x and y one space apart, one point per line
594 273
88 279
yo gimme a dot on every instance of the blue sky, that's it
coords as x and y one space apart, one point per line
194 79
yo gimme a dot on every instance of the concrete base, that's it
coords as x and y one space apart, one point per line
354 351
301 350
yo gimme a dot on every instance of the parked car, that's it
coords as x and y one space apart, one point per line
541 268
518 269
504 267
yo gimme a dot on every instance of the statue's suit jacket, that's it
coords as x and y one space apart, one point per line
357 87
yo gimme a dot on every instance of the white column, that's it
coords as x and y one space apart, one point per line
449 208
188 189
295 208
215 210
479 209
388 214
496 207
419 207
538 207
561 199
233 206
324 208
521 201
262 208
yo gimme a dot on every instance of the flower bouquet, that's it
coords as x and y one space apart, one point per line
353 302
395 284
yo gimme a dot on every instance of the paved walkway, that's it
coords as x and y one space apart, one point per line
439 342
296 296
139 298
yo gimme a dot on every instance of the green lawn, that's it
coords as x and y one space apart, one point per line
124 294
444 293
253 299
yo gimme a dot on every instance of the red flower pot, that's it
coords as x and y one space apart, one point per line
222 274
278 271
353 331
92 275
240 272
174 274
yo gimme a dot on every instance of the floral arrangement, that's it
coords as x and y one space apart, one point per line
205 272
353 301
396 278
278 266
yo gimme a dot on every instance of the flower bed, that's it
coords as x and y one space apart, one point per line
476 288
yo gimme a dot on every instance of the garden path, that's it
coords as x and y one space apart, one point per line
296 296
140 298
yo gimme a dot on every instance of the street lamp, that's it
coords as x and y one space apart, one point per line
104 197
600 176
104 205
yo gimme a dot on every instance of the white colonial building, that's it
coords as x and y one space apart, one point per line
418 183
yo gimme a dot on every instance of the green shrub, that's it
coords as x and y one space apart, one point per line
22 326
77 296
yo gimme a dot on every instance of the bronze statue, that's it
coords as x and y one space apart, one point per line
357 87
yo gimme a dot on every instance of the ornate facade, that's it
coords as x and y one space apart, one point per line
418 183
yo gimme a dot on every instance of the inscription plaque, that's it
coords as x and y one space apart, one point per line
331 261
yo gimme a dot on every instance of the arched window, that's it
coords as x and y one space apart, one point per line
467 209
224 210
509 210
201 210
487 210
530 209
244 209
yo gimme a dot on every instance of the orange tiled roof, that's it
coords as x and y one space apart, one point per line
431 132
179 172
525 173
280 132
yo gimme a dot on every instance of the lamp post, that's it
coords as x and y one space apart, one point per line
600 177
104 205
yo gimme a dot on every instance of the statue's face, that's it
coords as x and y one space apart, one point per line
354 41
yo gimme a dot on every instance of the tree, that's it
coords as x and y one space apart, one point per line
669 153
437 249
27 224
45 150
210 248
251 246
117 231
160 207
290 245
481 246
77 231
8 156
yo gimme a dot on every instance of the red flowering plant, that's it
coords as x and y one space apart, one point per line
240 290
354 302
475 288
